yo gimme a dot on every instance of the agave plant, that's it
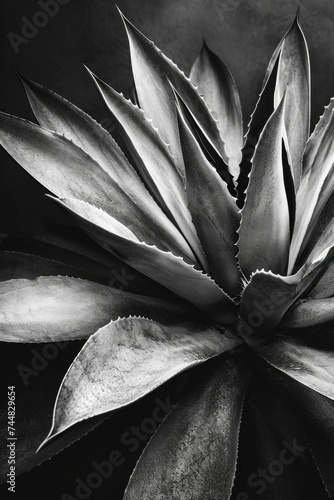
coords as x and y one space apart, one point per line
239 239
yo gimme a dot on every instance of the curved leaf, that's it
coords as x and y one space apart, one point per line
67 171
193 453
309 366
36 386
127 359
294 72
55 308
154 162
17 265
215 81
264 234
267 297
313 193
214 211
310 313
56 113
324 286
151 69
165 268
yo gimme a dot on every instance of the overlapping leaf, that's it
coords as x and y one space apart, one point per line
217 85
193 453
172 272
213 209
67 171
127 359
154 162
264 234
151 71
55 308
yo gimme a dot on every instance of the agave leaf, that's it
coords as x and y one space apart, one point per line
193 453
269 430
213 209
15 265
151 71
264 234
35 395
324 286
154 162
67 171
294 71
55 308
320 230
309 366
267 297
316 416
310 313
215 81
313 193
314 141
165 268
148 352
56 113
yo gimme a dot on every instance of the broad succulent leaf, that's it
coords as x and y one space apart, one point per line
216 83
191 284
63 308
313 194
151 71
35 396
293 70
95 382
310 312
193 453
316 417
267 297
264 234
18 265
309 366
324 286
216 223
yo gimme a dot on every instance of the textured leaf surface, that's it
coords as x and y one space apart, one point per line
309 366
214 212
55 113
151 71
294 77
127 359
267 297
313 194
154 161
67 171
49 309
309 313
193 453
217 85
264 234
36 390
165 268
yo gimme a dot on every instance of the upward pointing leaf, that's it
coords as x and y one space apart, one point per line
220 92
264 234
151 69
154 162
214 211
294 71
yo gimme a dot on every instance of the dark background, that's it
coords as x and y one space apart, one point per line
243 33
